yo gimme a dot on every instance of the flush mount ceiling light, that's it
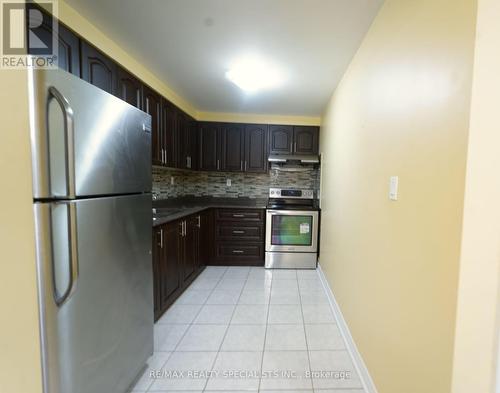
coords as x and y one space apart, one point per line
252 73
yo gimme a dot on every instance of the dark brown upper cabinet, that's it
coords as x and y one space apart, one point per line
280 139
98 69
209 147
305 140
68 51
169 131
186 142
256 148
232 147
183 141
151 104
287 140
193 143
129 88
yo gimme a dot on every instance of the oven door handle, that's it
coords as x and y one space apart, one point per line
313 213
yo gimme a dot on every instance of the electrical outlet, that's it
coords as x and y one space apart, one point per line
228 182
172 180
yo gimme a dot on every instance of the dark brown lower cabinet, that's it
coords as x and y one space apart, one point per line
170 267
239 237
176 260
182 248
158 257
207 235
190 244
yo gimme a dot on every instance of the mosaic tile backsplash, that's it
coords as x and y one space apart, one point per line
252 185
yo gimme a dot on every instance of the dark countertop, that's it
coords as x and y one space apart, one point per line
173 209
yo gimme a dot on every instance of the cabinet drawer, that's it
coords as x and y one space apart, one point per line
240 214
233 231
239 250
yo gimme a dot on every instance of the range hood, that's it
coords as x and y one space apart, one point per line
303 159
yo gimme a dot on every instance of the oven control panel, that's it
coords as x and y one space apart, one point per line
291 193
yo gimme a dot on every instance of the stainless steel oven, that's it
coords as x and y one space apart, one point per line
291 229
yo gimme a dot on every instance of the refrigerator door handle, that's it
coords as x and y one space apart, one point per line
69 137
73 256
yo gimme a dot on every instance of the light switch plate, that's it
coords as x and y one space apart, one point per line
393 188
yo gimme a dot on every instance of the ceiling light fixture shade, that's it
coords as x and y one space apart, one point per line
251 74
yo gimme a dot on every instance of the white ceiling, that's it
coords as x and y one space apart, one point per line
190 43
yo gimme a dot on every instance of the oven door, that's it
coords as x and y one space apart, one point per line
292 230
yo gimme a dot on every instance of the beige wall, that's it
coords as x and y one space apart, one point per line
19 335
256 118
478 314
401 109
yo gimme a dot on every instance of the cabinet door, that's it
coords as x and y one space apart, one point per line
193 142
171 263
256 148
184 136
208 158
158 256
206 238
151 104
191 243
169 131
280 139
98 69
129 88
68 53
232 147
305 140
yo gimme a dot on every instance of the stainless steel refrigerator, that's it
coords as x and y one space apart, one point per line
91 156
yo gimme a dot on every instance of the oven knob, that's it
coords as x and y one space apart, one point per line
272 192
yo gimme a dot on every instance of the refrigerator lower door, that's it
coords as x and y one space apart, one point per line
95 292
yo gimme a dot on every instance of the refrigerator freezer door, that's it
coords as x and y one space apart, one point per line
85 142
96 305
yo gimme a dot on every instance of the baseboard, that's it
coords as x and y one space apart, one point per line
359 364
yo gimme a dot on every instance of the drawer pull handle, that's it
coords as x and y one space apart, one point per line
238 251
238 215
236 232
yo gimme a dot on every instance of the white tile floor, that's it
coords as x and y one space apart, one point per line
242 329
